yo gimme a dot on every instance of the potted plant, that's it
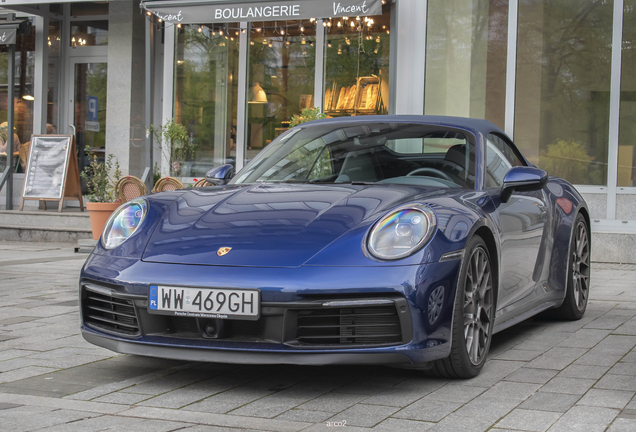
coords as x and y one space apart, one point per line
101 200
307 115
180 146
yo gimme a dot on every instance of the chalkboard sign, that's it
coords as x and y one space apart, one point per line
52 173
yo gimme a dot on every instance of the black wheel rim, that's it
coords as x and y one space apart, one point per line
478 306
581 266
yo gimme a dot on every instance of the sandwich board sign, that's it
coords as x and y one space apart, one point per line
52 172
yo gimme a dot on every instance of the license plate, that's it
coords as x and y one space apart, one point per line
219 303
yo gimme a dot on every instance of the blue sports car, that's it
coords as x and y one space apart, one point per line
398 240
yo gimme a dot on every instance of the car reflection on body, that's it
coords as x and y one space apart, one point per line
398 240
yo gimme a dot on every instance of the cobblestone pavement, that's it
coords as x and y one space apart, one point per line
541 375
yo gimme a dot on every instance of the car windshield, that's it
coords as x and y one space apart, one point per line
398 153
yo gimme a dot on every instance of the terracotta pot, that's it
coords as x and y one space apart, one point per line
99 213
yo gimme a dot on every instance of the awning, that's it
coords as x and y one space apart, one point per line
210 11
8 32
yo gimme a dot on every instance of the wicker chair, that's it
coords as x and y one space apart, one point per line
167 184
24 155
128 188
202 183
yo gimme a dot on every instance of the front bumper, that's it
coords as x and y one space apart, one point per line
401 331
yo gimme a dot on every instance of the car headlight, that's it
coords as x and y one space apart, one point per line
402 232
124 222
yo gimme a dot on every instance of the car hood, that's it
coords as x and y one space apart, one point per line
268 225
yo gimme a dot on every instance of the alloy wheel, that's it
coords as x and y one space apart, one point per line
581 266
478 305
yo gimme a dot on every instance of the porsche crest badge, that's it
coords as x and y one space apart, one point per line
223 251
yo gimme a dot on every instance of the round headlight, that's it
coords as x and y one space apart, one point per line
402 232
124 222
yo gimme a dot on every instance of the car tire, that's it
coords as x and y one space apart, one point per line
473 315
578 283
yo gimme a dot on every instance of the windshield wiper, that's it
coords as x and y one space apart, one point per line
362 183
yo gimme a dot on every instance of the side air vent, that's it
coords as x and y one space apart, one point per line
378 325
110 313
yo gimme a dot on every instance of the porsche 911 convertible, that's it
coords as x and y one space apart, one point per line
398 240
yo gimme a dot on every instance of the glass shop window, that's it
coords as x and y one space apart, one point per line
563 87
205 102
466 59
357 53
627 126
23 102
281 62
89 33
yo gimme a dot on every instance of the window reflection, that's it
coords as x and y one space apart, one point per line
357 65
563 87
466 59
206 92
280 78
627 128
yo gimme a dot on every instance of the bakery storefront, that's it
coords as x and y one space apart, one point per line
241 70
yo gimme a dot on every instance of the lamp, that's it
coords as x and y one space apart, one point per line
258 94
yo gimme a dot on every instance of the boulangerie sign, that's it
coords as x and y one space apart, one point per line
209 11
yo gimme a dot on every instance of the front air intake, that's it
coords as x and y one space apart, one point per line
378 325
109 313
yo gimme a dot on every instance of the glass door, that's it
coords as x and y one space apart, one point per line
88 107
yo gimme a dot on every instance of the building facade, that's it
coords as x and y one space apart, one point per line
557 75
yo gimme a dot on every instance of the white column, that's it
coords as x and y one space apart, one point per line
410 60
41 76
615 106
168 93
241 114
511 69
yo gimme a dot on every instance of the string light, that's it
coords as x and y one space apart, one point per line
160 20
353 24
329 44
220 32
339 24
178 25
251 42
200 29
324 24
282 31
303 40
258 29
302 28
243 31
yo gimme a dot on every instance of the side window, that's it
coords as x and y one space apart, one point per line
500 157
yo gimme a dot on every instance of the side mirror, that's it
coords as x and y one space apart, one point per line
220 175
522 179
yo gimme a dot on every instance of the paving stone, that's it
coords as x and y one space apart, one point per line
530 375
623 425
585 418
457 393
622 368
305 416
364 415
529 420
606 398
121 398
585 338
332 402
518 354
428 409
511 391
554 402
402 425
557 358
576 386
579 371
617 382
